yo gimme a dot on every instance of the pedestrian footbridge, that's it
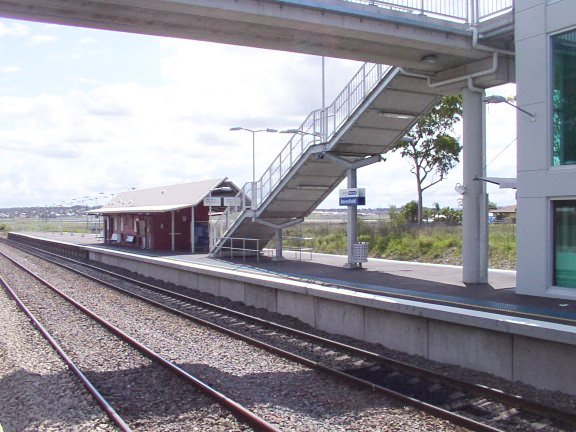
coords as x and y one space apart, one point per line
373 112
436 46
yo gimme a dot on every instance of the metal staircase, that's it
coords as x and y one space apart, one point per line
375 110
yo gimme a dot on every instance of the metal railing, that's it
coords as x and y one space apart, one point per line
240 247
318 128
297 245
463 11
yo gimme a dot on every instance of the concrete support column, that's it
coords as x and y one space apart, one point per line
278 255
352 226
475 208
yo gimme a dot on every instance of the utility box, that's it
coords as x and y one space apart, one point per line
360 252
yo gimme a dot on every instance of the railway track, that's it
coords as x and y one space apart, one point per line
473 406
109 390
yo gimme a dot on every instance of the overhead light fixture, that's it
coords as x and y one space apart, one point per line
397 115
300 132
311 187
429 59
502 99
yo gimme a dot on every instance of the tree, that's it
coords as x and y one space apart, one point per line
431 148
410 212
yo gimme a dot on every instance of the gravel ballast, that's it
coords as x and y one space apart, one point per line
184 345
37 391
147 395
286 394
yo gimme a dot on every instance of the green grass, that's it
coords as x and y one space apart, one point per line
41 225
433 243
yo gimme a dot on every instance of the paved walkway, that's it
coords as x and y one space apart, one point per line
422 282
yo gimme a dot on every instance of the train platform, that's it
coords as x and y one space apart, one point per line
427 283
417 309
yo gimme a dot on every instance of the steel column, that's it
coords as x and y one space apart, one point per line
192 233
173 234
352 225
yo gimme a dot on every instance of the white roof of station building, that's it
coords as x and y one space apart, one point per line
164 198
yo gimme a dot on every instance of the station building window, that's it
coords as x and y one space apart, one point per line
565 243
564 98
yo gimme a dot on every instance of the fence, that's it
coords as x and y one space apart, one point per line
464 11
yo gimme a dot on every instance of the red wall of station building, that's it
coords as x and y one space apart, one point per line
153 231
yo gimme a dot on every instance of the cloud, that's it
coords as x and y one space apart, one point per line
41 39
72 140
9 69
13 29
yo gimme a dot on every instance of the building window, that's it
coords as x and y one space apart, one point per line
564 99
565 243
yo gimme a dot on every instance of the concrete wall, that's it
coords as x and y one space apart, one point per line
503 346
534 352
538 181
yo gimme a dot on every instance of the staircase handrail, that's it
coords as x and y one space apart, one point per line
321 124
470 12
318 128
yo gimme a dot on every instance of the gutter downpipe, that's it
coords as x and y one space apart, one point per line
476 45
468 78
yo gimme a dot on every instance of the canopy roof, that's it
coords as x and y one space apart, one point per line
164 198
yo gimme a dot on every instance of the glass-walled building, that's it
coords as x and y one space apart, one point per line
546 86
564 98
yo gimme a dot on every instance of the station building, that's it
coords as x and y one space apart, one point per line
167 217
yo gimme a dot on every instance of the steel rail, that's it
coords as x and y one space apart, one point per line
110 411
424 406
237 409
477 389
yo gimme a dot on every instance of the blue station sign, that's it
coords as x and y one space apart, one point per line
352 197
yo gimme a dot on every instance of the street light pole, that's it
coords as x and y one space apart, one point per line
253 132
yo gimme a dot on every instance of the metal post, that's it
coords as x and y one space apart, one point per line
278 256
192 233
474 217
323 83
253 171
173 234
352 226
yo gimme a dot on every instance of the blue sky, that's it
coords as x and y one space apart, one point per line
86 111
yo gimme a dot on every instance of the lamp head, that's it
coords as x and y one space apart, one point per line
495 99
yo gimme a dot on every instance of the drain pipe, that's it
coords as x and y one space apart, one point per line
476 45
468 78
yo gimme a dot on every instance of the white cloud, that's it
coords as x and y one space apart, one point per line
13 29
9 69
72 143
41 39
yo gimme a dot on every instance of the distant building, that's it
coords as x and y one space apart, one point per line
165 218
504 214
